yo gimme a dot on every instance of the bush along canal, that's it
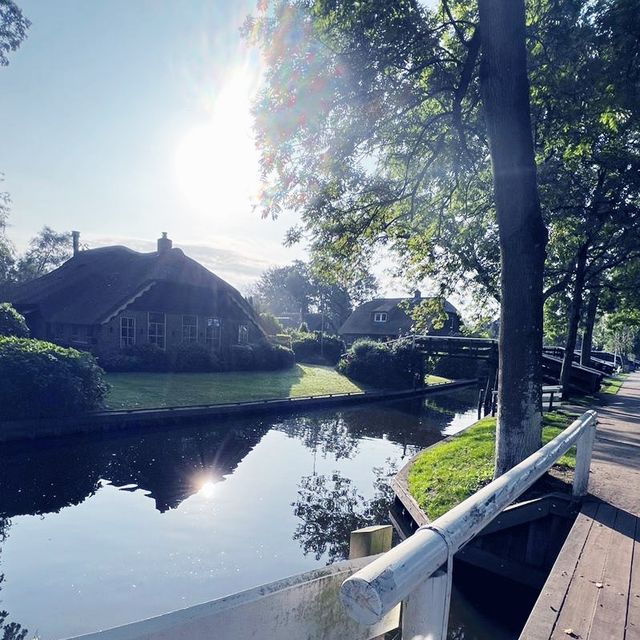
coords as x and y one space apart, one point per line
100 530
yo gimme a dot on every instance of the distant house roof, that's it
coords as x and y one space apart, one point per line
96 284
361 321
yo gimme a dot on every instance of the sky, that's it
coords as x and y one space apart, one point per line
126 118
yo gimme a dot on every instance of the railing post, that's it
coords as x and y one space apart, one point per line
583 460
551 401
370 541
425 612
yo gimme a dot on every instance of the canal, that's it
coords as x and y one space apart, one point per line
101 530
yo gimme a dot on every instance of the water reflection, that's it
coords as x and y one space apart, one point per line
9 630
331 507
39 478
145 522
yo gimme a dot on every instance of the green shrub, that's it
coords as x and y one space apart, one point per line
316 347
270 324
39 379
12 323
192 357
270 357
381 365
241 357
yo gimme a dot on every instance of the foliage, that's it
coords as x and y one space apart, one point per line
40 379
316 347
262 356
446 474
330 508
7 251
148 390
299 288
271 325
12 323
13 29
381 365
270 357
619 332
139 357
47 251
192 357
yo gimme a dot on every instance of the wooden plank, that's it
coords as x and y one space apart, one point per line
578 608
633 605
542 619
611 605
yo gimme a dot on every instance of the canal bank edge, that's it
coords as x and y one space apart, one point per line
406 514
104 421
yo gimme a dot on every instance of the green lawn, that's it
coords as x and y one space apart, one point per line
431 379
613 384
149 390
446 474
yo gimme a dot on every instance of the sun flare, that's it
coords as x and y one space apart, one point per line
216 161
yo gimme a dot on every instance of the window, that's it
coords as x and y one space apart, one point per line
243 334
190 328
156 328
127 331
380 316
212 333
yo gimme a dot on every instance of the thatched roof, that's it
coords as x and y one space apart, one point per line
361 321
96 284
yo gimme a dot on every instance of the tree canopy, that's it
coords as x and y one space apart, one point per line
384 124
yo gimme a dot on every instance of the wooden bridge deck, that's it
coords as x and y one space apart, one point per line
593 590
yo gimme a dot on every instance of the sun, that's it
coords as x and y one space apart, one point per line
216 160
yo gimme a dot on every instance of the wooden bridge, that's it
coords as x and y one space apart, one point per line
593 590
584 379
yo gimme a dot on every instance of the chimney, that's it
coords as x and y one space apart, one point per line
164 244
417 295
75 235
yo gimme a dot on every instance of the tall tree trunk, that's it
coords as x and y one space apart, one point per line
523 236
590 321
575 307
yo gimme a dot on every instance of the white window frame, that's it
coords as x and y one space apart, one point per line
212 340
193 329
157 324
380 316
130 338
243 334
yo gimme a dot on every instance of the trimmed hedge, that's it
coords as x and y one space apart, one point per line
41 379
316 347
394 366
193 357
262 356
12 323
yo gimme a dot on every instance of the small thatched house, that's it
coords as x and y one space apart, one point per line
385 319
111 298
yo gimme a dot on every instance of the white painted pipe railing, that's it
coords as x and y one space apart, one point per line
418 571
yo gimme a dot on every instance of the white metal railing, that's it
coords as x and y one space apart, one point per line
418 571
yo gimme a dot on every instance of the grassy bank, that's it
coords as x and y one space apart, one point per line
613 384
446 474
149 390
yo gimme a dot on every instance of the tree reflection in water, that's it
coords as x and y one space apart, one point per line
8 630
330 508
